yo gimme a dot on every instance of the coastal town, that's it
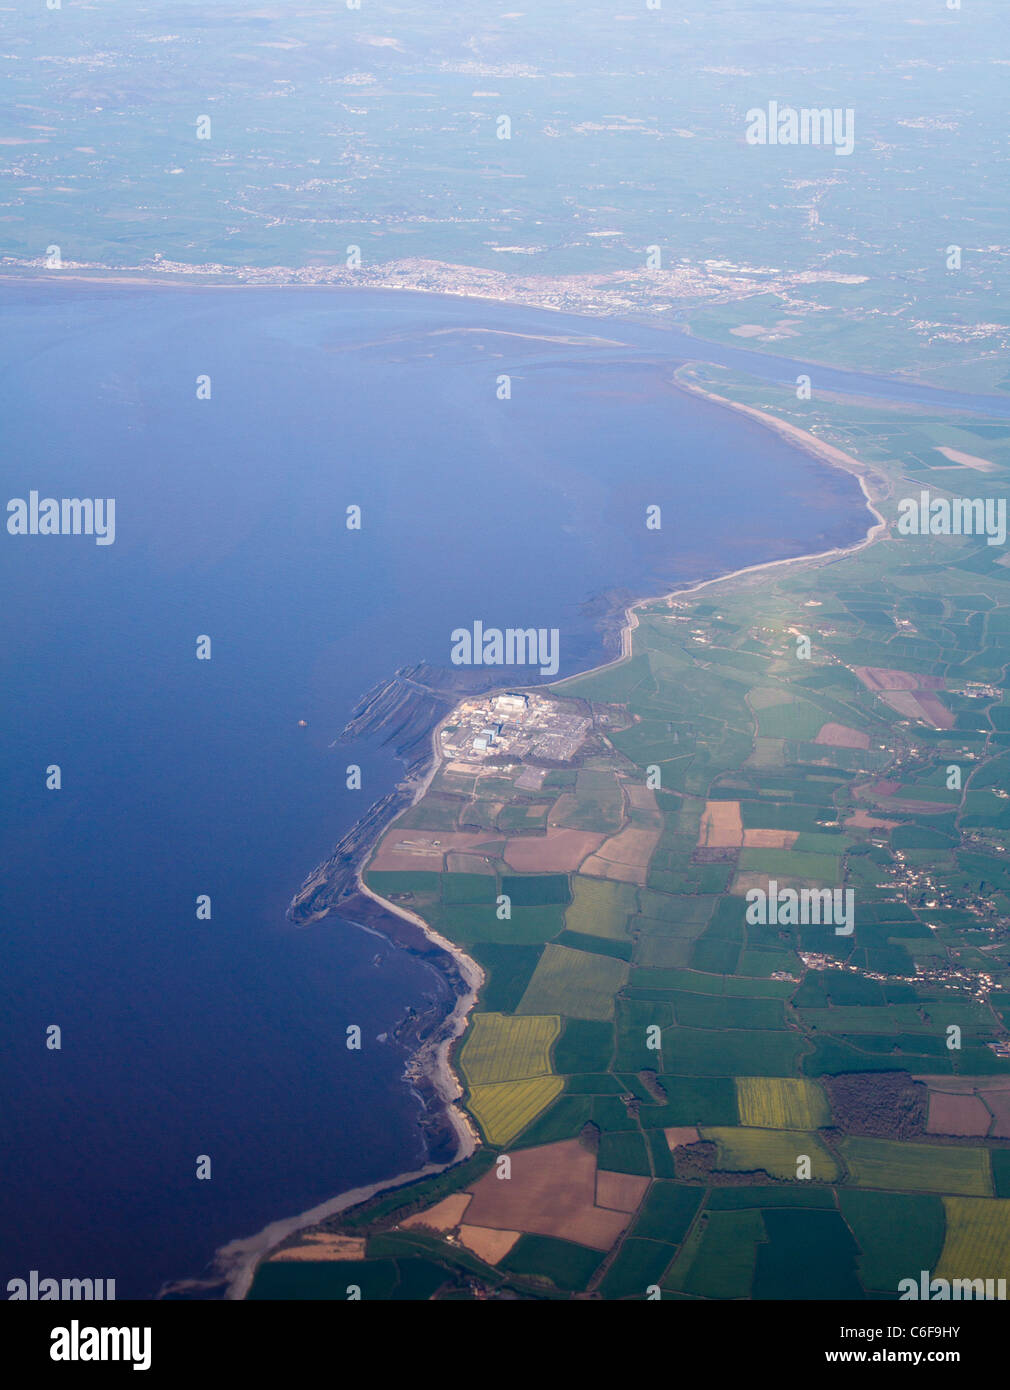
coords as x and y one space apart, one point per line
634 291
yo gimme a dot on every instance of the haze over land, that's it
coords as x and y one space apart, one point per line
557 615
379 129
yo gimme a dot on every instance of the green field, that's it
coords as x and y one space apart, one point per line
473 922
704 1052
397 883
601 908
406 1279
808 1255
722 1265
898 1233
734 1012
576 984
917 1167
469 888
566 1265
625 1152
790 863
639 1265
668 1212
508 970
584 1046
595 803
790 718
536 890
773 1151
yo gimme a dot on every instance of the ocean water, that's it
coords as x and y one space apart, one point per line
180 777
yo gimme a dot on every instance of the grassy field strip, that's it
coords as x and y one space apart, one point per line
774 1151
886 1163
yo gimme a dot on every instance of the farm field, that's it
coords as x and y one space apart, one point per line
600 908
781 1103
661 1070
775 1152
502 1048
917 1167
977 1245
898 1234
505 1108
577 983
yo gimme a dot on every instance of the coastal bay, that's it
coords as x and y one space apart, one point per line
218 531
670 1129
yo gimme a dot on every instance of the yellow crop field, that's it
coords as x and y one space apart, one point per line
781 1102
504 1109
977 1245
503 1047
774 1150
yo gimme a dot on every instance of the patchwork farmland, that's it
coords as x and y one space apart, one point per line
685 1097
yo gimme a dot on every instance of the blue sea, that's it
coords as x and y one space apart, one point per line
184 1037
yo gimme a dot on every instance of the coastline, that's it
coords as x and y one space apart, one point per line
636 315
810 444
433 1058
219 280
239 1259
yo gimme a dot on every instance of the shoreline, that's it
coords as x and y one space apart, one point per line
810 444
433 1057
239 1259
633 316
215 281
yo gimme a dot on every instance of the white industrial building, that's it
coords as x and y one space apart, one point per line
510 704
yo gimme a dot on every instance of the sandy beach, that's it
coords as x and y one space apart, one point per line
819 449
